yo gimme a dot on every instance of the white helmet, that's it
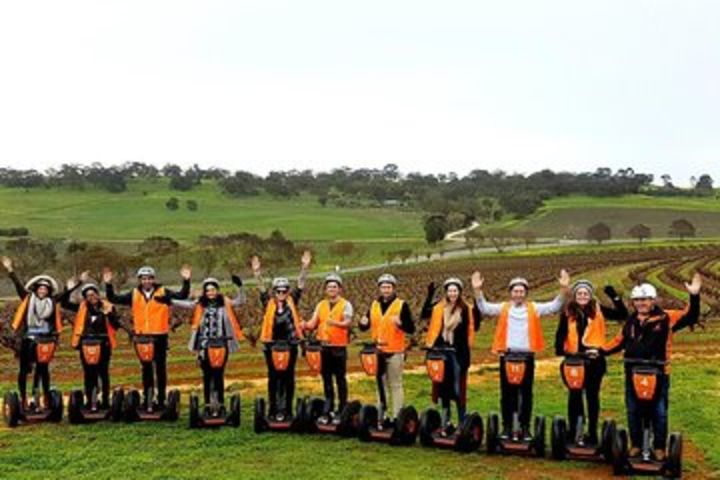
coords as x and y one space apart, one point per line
87 287
280 282
146 272
519 281
333 277
644 290
210 281
387 278
453 281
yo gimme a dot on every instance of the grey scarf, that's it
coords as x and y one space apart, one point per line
39 311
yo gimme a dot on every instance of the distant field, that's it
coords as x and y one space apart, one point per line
94 215
570 217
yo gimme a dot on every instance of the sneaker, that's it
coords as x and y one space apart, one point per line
659 454
506 433
280 417
526 436
448 431
324 420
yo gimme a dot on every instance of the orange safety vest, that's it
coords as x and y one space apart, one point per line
594 336
20 317
79 325
334 336
389 337
437 319
150 317
535 336
266 334
200 310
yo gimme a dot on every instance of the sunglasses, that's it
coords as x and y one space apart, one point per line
281 291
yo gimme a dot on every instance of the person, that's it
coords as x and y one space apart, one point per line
452 325
150 305
518 330
213 318
332 319
37 315
581 329
94 317
647 335
281 323
390 322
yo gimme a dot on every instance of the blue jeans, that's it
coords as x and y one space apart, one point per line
656 412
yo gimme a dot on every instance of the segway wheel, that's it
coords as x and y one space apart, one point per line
234 419
173 405
620 451
312 411
493 433
116 405
194 411
75 407
349 419
674 458
56 406
406 427
11 409
260 422
558 432
608 433
367 420
299 421
471 434
539 438
430 421
132 403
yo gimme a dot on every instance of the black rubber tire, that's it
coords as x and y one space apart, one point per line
75 406
492 436
606 441
367 420
673 465
11 409
349 419
56 406
194 411
116 405
406 427
539 437
558 434
259 420
132 403
312 410
620 451
235 411
471 434
430 421
173 406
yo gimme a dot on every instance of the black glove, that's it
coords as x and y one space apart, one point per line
236 280
610 291
431 288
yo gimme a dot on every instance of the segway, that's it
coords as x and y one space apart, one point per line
215 414
280 352
49 410
133 408
467 437
372 424
578 447
645 375
78 410
515 443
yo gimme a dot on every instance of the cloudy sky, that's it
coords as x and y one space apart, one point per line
431 86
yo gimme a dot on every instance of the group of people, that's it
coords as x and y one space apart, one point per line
645 332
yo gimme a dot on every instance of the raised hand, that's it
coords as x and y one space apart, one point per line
186 272
7 263
85 276
236 280
71 283
564 279
107 275
610 291
431 288
695 284
255 264
477 281
306 259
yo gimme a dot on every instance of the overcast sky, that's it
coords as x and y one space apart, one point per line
432 86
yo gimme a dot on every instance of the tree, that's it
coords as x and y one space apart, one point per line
192 205
435 229
599 232
704 184
682 228
640 231
498 237
342 249
527 236
172 204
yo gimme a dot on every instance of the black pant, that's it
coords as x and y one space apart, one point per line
334 364
594 372
509 395
28 358
160 364
97 373
213 378
281 384
450 388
